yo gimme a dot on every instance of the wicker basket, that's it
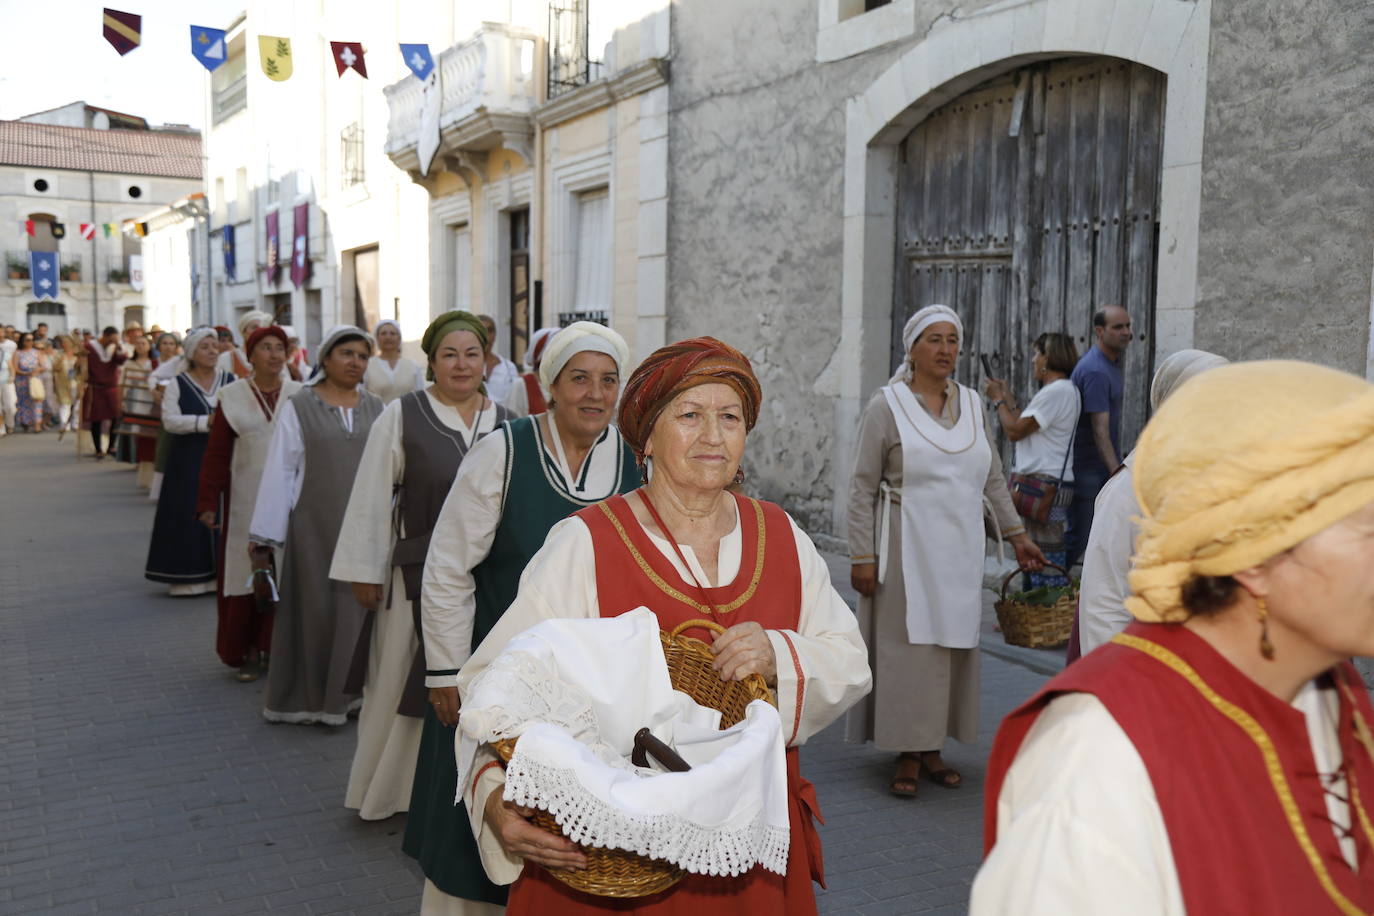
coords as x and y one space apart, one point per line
615 872
1036 626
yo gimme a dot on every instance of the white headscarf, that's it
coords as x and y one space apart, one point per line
538 337
1177 368
262 318
384 322
193 339
931 314
332 338
582 337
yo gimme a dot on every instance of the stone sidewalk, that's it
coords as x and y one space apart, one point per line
136 776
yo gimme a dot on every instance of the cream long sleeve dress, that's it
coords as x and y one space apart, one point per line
383 769
390 383
922 694
560 582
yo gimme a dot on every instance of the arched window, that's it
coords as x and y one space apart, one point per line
42 238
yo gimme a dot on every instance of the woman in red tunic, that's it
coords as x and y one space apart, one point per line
1216 757
686 547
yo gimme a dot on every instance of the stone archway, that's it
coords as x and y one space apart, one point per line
1170 36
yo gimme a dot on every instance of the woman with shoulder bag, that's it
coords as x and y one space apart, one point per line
1042 470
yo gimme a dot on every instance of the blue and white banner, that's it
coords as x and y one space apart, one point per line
227 237
418 59
43 274
207 45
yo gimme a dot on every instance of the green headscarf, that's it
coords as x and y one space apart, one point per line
445 325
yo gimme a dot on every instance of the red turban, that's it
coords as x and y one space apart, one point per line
673 369
260 334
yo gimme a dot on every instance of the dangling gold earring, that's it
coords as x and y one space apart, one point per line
1266 647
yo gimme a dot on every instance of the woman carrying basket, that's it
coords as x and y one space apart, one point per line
925 465
510 490
686 547
1042 471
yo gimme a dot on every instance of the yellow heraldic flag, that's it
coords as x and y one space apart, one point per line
276 57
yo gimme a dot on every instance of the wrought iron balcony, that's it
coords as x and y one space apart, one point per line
487 91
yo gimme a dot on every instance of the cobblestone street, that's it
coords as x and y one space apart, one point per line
137 776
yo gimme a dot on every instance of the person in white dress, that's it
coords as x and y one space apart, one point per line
924 467
413 453
1209 759
502 374
1107 560
1044 434
389 374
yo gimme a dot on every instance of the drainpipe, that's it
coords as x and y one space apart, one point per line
95 276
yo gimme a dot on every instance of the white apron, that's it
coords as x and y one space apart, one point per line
943 473
254 431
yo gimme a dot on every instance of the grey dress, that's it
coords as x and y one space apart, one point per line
318 620
922 694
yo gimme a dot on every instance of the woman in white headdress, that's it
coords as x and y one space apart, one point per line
389 374
924 467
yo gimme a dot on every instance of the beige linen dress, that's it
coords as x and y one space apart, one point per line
922 694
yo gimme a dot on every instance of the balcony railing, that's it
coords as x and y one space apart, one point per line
230 100
487 91
69 266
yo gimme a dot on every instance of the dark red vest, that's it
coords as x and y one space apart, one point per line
1232 768
534 395
631 573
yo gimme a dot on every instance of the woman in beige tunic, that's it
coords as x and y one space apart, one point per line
389 374
925 464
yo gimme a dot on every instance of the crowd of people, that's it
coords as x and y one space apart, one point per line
378 529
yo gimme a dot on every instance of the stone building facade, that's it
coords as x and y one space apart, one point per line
80 164
791 126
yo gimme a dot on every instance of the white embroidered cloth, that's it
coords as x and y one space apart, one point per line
575 692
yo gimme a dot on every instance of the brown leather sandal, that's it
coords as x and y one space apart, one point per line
945 777
904 780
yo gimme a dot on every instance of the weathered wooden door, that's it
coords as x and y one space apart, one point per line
1027 204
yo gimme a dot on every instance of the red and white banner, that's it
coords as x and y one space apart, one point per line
88 231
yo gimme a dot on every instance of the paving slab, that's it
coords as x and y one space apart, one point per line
137 776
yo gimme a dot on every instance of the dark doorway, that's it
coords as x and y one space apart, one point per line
1030 202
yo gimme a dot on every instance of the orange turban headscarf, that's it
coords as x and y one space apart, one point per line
673 369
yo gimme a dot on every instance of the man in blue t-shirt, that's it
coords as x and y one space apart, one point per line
1097 444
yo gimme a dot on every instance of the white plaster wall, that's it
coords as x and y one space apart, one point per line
69 200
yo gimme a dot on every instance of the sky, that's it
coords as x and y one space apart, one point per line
54 52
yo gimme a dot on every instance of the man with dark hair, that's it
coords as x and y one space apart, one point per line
40 333
1097 444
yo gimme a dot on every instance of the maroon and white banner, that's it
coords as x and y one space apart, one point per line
300 253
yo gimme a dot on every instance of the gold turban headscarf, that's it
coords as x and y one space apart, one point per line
1240 464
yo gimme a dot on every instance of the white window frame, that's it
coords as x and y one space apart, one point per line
571 178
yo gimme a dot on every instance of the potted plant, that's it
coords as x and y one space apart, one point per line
70 273
118 275
18 268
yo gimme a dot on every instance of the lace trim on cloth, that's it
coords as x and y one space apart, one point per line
587 820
